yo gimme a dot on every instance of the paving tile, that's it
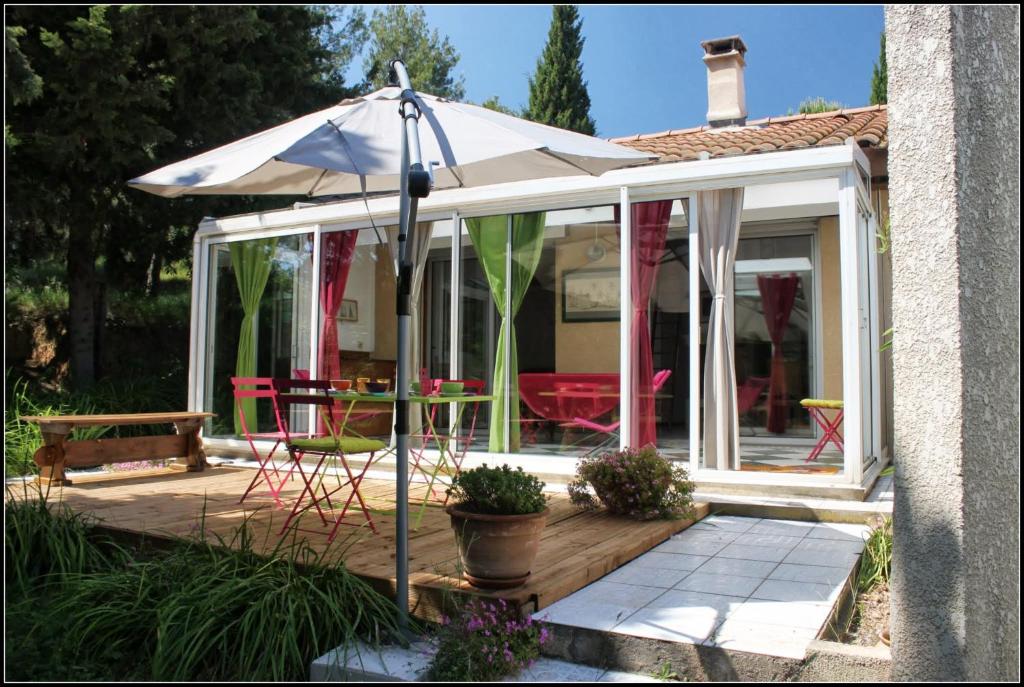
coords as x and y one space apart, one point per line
773 540
619 676
691 547
794 528
646 576
839 530
726 523
753 553
680 616
553 670
817 574
708 535
835 545
790 590
616 594
690 627
799 614
590 614
830 559
738 566
762 638
670 561
731 585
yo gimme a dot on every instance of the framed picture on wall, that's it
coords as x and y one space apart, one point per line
590 295
349 311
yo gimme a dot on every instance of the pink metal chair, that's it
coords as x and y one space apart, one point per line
262 387
612 430
315 394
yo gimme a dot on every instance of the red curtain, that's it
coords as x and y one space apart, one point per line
338 248
649 227
778 294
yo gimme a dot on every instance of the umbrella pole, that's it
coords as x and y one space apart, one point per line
415 184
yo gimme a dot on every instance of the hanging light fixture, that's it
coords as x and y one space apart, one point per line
596 251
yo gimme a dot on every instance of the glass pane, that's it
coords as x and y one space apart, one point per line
773 310
565 292
276 275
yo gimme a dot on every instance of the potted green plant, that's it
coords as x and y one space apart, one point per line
637 483
498 516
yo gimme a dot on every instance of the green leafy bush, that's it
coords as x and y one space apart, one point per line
484 643
195 610
498 491
635 482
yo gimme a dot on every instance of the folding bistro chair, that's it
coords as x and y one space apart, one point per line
612 430
830 428
332 446
454 444
262 387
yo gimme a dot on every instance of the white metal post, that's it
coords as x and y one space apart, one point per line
875 339
194 347
695 362
314 321
849 270
626 355
455 313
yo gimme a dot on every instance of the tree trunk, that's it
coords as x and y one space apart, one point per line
156 265
82 305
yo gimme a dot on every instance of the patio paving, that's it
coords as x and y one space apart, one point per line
747 584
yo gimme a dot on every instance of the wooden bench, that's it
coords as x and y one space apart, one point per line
57 453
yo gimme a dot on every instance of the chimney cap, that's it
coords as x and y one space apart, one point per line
721 46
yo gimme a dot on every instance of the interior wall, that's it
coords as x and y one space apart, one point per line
385 322
831 309
584 346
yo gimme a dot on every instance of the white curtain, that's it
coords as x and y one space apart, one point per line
419 247
719 236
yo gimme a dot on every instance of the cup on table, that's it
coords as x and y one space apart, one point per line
361 384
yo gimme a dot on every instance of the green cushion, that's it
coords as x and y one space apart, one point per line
343 444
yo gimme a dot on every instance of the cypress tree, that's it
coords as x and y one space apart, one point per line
880 78
558 93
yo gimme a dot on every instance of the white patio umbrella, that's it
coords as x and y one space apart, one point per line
356 147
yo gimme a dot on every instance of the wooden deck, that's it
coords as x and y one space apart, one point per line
577 547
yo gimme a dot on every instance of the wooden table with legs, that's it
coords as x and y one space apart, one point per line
58 453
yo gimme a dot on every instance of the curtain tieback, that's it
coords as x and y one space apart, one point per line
719 297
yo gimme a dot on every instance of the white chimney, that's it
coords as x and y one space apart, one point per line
727 101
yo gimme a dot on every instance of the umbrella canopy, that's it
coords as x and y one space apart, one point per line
354 147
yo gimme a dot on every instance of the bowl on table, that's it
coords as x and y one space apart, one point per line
414 387
361 384
378 387
341 384
451 388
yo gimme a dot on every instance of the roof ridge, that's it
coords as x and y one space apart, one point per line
774 119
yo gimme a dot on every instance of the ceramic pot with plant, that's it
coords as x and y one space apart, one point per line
498 515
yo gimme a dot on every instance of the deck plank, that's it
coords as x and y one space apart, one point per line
576 548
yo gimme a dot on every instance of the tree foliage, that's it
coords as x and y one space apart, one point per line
558 93
494 103
819 104
122 90
880 78
398 31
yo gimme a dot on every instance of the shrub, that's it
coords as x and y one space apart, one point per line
484 643
498 491
636 482
876 564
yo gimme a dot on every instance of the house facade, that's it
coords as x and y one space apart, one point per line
600 311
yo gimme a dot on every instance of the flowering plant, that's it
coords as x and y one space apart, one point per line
634 482
485 642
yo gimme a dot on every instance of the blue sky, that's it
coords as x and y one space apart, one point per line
643 63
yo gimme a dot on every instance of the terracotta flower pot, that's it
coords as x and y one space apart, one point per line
497 551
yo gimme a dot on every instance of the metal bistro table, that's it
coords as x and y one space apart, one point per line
451 446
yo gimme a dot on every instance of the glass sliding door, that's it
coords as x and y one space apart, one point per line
258 323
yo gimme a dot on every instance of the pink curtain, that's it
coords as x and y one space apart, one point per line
338 248
649 227
778 294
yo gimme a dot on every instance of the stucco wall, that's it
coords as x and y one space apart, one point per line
954 186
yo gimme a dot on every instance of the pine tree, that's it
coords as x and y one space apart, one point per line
880 78
558 93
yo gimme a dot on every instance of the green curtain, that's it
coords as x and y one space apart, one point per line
251 262
490 238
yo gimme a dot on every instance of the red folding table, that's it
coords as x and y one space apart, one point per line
830 428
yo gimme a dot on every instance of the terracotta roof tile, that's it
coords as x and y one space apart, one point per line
868 126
